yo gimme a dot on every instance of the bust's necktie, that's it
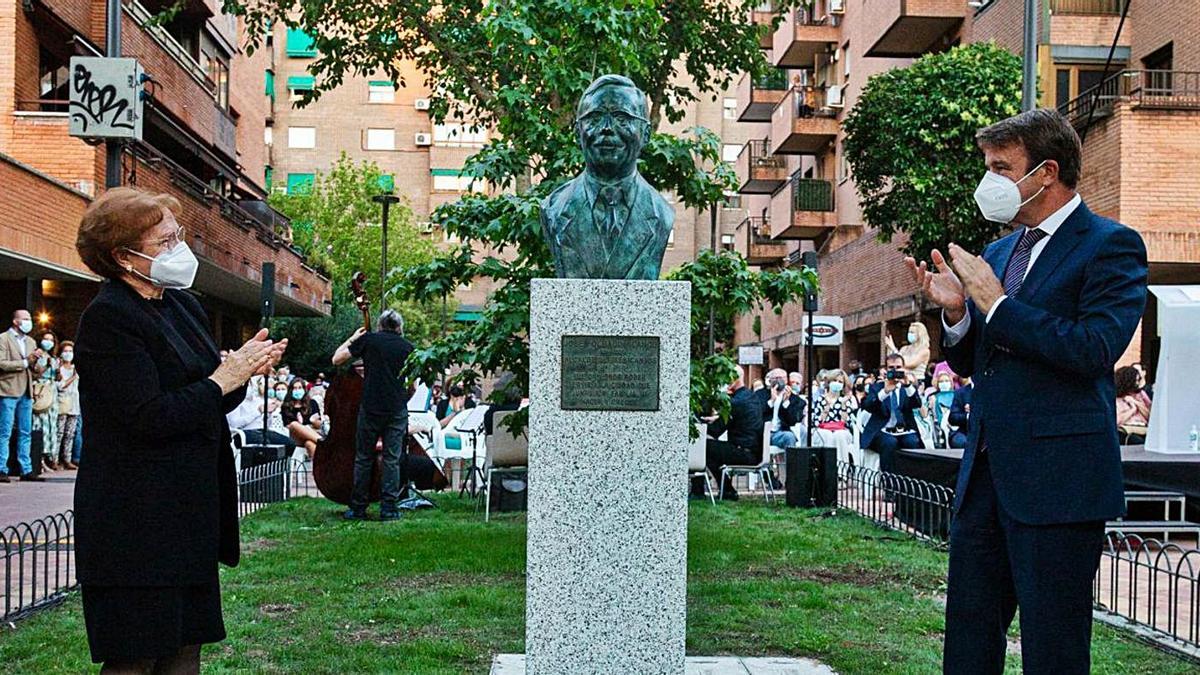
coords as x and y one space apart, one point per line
1014 276
612 211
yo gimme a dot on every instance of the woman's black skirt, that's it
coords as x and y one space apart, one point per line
152 622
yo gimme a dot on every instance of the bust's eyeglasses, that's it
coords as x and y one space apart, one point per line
618 118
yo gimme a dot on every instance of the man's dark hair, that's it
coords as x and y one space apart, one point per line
1126 380
456 390
1045 134
390 320
894 356
613 81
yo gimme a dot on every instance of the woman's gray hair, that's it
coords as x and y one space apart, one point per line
390 320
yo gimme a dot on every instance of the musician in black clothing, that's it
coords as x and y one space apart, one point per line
747 411
382 413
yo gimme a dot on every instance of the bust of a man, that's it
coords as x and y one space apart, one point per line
608 222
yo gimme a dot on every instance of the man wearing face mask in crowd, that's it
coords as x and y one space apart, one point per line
785 410
1038 321
19 358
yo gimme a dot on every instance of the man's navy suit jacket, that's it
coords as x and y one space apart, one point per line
881 411
1043 400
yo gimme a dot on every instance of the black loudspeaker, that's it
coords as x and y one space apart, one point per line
811 477
810 299
267 298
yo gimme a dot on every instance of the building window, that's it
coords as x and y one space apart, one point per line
381 91
381 139
727 242
387 183
54 81
846 62
300 44
299 183
730 152
732 200
1071 81
268 136
449 180
458 136
302 137
843 167
217 72
729 106
298 84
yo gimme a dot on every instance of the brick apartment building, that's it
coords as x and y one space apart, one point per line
368 119
203 143
1138 155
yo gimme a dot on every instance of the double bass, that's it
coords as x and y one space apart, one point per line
333 463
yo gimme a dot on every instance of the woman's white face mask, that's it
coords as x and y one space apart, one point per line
999 198
175 268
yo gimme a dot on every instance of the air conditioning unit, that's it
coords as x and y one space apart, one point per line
425 227
833 96
837 6
424 138
421 104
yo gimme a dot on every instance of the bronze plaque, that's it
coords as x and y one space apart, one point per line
609 372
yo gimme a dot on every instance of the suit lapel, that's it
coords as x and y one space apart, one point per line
578 233
1001 253
1064 240
638 231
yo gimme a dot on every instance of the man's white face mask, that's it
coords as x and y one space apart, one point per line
999 198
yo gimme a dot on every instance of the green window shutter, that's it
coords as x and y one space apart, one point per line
446 172
387 182
381 83
268 175
301 82
467 316
299 183
300 44
270 83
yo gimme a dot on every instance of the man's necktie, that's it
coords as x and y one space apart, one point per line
1014 276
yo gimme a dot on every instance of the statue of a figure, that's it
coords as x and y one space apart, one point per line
608 222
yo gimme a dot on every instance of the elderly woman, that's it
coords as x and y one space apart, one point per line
155 497
835 412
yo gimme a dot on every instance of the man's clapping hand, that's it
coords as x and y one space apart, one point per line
941 285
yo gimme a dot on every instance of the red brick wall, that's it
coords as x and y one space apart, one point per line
29 226
1157 23
1001 21
42 142
247 96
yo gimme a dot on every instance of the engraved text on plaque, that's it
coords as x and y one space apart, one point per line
609 372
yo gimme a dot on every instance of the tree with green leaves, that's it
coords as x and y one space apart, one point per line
910 141
518 68
338 227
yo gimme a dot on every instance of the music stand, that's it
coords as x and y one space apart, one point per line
472 424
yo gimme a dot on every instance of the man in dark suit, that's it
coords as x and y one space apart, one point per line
744 438
893 422
1038 322
608 222
960 415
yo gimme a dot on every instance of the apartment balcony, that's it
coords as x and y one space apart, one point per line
761 17
805 33
804 122
1138 89
755 244
757 97
803 210
759 172
910 28
1087 7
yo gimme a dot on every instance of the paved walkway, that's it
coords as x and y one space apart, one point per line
21 502
514 664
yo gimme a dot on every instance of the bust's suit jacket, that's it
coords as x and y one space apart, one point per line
15 378
578 244
1042 369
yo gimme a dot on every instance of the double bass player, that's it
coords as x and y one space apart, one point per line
383 412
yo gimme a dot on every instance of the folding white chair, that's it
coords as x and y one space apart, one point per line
697 467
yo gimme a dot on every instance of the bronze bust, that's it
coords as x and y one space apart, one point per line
608 222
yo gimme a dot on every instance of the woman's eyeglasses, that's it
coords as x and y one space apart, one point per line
168 242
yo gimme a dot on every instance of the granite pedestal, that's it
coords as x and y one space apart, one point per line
607 542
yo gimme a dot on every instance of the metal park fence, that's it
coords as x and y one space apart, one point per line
38 557
1144 583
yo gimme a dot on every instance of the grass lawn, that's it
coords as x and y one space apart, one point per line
442 592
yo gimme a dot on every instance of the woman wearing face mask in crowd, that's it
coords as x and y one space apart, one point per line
916 353
68 406
835 413
302 417
939 402
45 405
156 494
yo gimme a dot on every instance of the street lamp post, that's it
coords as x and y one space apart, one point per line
386 199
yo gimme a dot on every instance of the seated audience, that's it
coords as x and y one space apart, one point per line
743 431
248 418
893 423
785 411
458 401
939 402
302 417
796 382
834 416
960 415
1143 383
1133 406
